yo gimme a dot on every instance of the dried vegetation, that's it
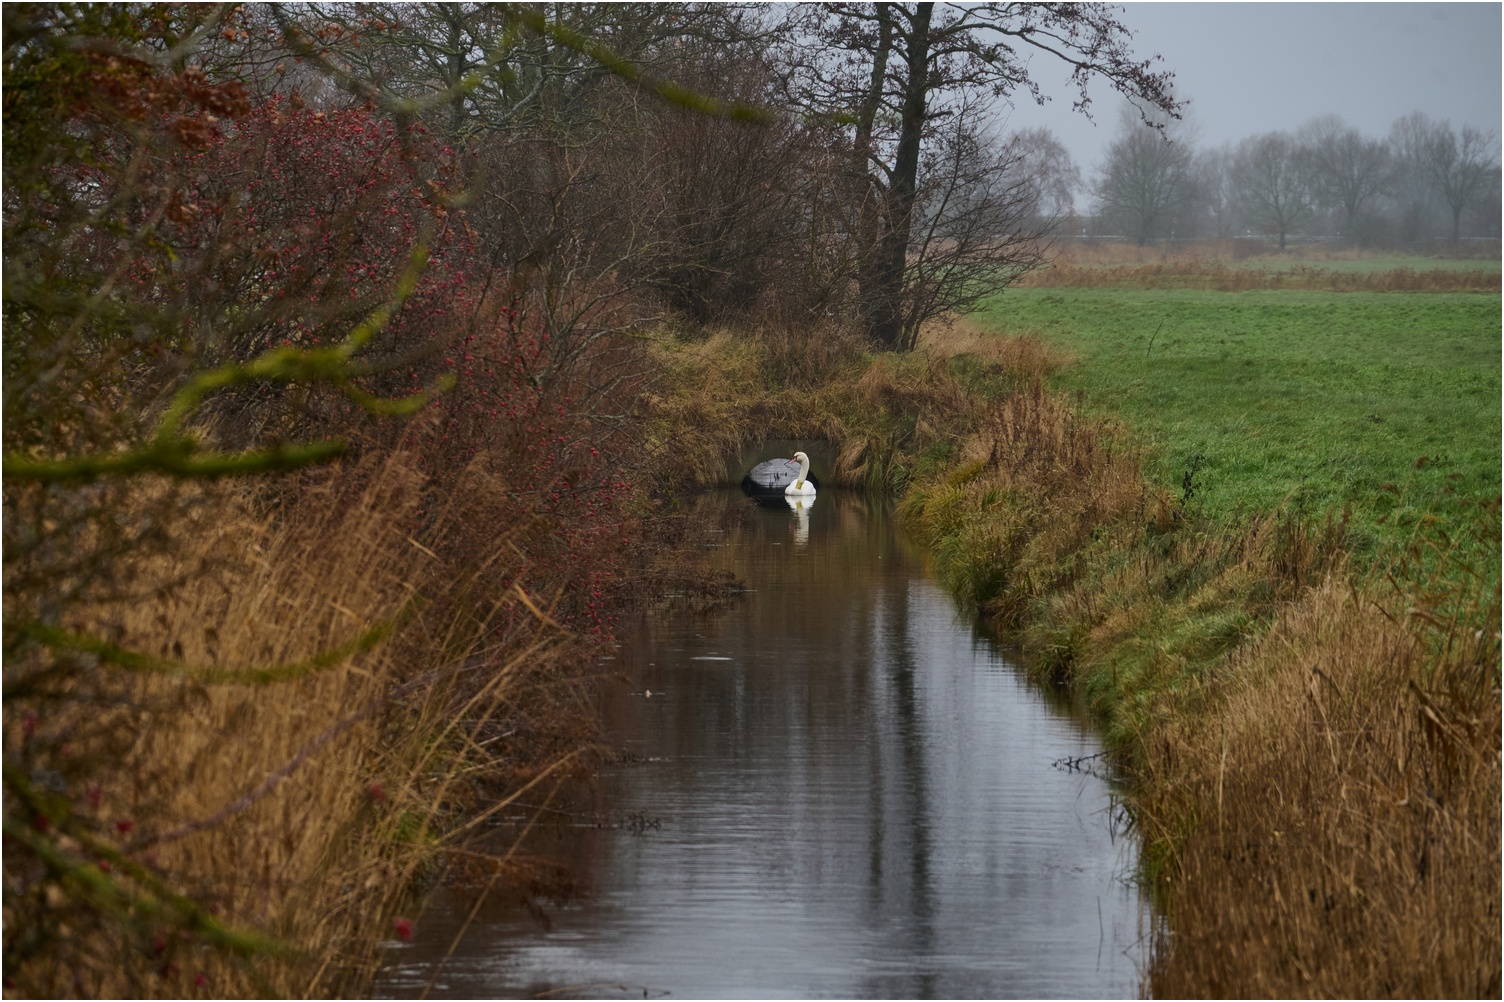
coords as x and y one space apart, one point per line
1218 276
722 393
1232 267
335 789
1314 755
1341 809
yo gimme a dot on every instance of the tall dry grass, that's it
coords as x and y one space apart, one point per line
1242 266
1033 486
1342 806
1105 253
1314 758
886 416
304 809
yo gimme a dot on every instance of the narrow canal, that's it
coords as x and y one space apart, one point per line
834 788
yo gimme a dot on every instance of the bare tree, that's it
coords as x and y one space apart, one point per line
730 200
589 197
1146 179
1347 169
1415 201
1217 204
1273 184
896 70
1462 168
981 217
501 66
1055 174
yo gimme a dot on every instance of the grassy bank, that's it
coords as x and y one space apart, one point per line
1262 540
1312 746
1313 750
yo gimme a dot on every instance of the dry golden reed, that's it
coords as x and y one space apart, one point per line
1343 812
307 809
1220 277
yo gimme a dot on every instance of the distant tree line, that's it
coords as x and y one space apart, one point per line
1422 184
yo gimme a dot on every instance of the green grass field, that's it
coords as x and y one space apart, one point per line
1386 404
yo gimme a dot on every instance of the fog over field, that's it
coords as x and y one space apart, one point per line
1253 68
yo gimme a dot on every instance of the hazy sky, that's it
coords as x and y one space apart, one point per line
1257 67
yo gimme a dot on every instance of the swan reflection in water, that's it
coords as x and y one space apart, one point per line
777 482
801 506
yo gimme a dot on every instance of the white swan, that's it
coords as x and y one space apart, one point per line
801 487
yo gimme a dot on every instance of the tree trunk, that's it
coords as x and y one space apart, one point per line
883 293
871 199
456 68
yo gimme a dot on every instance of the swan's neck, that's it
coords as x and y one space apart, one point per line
803 472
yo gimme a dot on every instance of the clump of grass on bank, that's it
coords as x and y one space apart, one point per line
887 415
1340 809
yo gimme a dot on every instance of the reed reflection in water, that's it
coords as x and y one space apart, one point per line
837 789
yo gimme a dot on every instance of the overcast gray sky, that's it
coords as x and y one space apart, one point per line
1257 67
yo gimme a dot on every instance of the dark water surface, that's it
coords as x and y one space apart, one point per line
834 788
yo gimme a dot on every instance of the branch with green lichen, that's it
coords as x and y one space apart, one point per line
174 452
683 97
109 653
154 898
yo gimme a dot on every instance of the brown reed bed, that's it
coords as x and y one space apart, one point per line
1341 811
1221 276
1108 253
241 836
